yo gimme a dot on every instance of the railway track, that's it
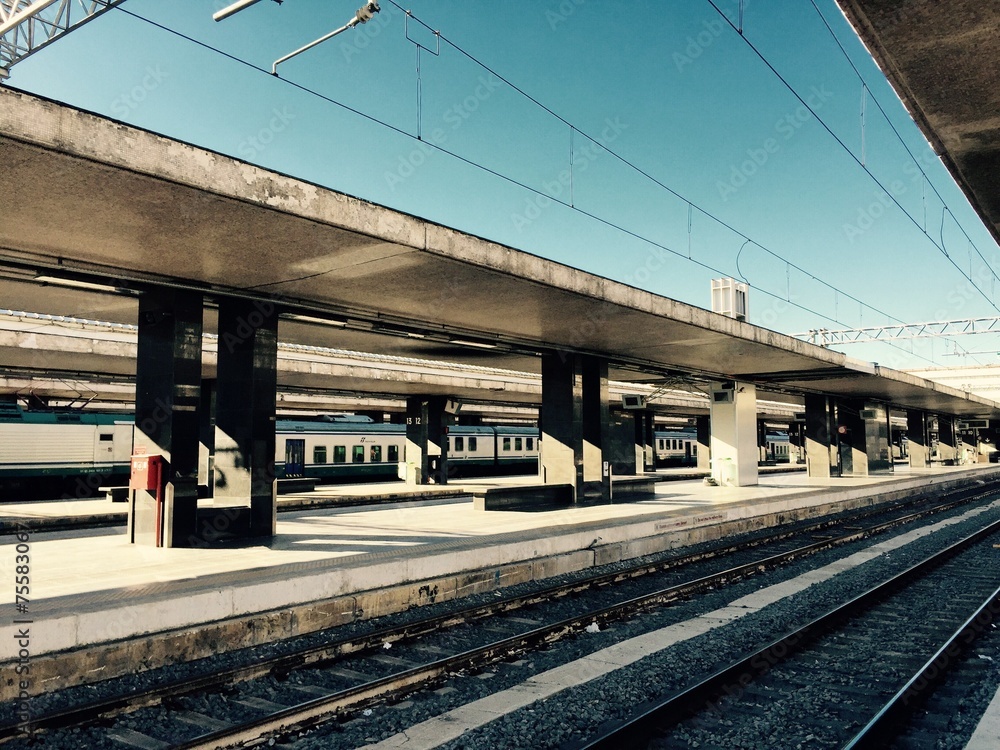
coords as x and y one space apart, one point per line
332 678
850 678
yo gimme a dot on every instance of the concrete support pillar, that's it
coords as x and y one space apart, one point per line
916 439
426 440
734 434
245 412
703 428
206 440
853 438
820 438
167 399
645 442
946 440
574 424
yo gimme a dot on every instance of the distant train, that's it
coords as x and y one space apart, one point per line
679 447
347 452
74 453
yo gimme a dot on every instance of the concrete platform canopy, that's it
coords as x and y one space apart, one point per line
943 61
33 343
256 234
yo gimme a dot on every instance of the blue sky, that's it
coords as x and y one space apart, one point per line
669 86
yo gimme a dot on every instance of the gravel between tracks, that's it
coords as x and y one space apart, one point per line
577 711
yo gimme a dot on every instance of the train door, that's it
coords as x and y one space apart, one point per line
687 452
295 457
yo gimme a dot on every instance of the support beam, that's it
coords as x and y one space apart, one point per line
245 413
703 428
167 401
916 439
946 440
574 424
820 438
852 438
426 440
733 408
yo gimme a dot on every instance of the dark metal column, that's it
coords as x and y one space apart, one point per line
852 438
167 399
916 439
575 424
820 438
427 439
594 484
946 440
703 426
245 412
561 419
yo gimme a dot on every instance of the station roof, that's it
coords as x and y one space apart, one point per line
943 61
93 199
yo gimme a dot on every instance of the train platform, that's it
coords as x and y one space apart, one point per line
56 515
100 606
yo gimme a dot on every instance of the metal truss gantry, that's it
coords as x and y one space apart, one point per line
28 25
967 326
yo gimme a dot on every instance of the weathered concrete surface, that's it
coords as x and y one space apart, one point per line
943 61
108 199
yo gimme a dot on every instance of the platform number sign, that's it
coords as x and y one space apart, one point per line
414 420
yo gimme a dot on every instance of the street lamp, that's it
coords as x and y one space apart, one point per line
234 8
363 15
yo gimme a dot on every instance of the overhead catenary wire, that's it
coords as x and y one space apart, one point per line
513 181
898 135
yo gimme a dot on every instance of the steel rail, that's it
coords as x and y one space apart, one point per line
318 656
654 717
905 702
310 713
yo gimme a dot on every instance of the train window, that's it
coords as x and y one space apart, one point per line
107 436
517 444
473 442
506 444
393 451
319 454
358 456
376 454
460 443
340 454
529 444
694 449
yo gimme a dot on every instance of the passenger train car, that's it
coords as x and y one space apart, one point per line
680 448
357 452
72 454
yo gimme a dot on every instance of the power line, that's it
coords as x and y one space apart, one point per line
901 140
821 121
540 193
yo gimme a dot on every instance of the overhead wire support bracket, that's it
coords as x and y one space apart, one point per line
363 15
436 52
